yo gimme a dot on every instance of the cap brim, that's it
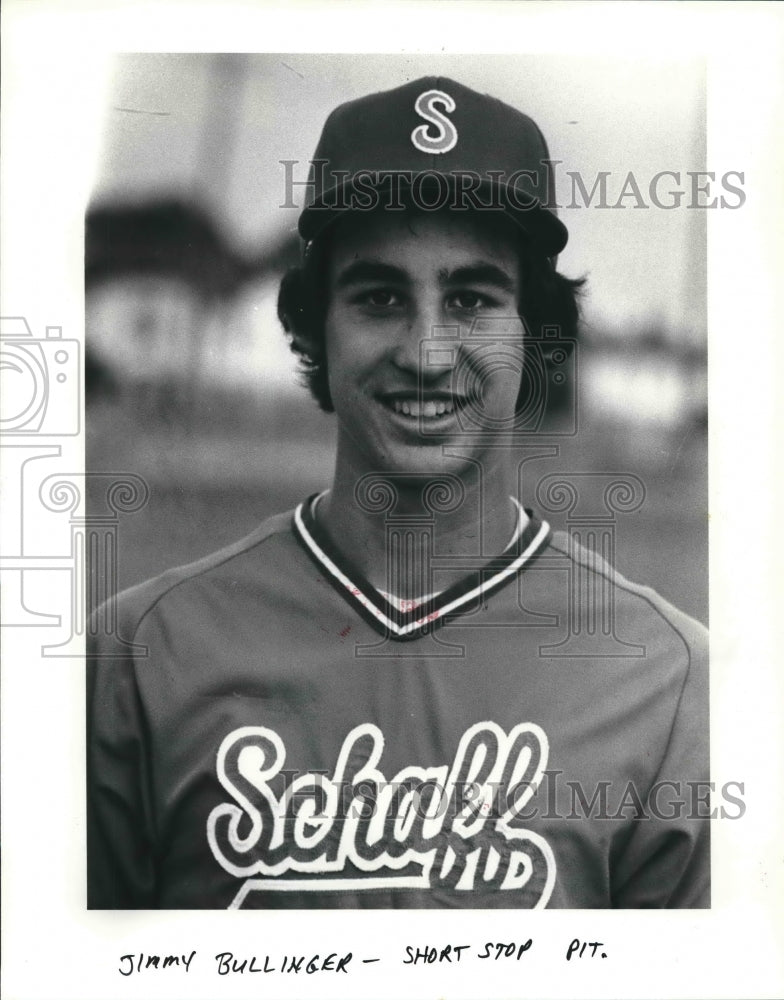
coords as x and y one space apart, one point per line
544 230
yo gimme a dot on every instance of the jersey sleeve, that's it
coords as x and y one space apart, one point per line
121 870
666 860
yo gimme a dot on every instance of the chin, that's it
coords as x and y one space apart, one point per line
428 460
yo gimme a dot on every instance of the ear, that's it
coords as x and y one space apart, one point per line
294 314
289 299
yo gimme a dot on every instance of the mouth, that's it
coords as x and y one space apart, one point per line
417 408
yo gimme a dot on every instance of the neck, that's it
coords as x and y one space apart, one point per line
398 524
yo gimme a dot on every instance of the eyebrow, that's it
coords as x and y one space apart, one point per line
479 273
370 270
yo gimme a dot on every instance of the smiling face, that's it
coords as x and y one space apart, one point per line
424 344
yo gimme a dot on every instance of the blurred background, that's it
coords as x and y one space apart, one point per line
190 382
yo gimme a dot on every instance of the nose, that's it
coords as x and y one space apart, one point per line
425 344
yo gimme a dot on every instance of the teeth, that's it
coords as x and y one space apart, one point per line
429 409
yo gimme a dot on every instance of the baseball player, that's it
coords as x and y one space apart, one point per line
409 691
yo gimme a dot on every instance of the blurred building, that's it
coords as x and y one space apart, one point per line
173 309
644 393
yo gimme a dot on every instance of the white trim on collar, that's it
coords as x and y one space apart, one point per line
365 600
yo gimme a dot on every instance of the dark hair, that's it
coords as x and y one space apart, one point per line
549 302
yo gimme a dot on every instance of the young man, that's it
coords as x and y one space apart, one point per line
371 701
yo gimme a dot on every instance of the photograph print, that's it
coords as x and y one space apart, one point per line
409 355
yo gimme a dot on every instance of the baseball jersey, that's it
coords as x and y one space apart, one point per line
267 729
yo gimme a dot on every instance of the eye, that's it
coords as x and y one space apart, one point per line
379 298
468 300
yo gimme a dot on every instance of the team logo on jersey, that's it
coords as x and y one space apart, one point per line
445 136
360 829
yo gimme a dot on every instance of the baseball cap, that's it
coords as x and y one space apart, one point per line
438 144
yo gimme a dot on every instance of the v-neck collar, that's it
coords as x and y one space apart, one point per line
385 618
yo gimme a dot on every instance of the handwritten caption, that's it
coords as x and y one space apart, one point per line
226 963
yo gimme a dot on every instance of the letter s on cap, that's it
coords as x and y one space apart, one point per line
446 136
